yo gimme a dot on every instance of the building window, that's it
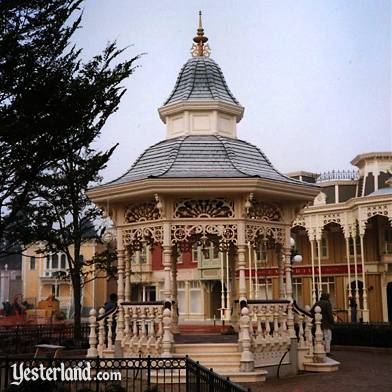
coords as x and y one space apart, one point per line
261 254
324 247
195 253
207 257
32 263
195 297
388 240
63 262
357 245
55 263
297 291
327 286
140 256
264 288
55 290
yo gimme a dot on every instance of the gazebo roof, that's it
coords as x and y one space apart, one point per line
203 156
201 79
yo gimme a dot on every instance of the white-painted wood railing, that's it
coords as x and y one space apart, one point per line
147 331
310 348
266 324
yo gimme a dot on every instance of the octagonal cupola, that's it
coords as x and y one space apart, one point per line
201 103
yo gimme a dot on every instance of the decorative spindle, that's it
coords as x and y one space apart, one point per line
247 360
92 339
319 352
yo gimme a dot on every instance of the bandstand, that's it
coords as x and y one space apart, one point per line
203 188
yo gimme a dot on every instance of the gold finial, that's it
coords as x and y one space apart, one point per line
200 48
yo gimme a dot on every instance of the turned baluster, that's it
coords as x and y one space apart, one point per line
101 332
319 352
134 339
247 359
92 339
167 335
301 341
126 327
283 322
268 324
275 315
110 332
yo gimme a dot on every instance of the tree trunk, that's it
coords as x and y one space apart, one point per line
77 307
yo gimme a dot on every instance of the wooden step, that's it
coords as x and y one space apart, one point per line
188 349
330 365
205 329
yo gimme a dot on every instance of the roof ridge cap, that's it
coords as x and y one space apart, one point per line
230 154
178 146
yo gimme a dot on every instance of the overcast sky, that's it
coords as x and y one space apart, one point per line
314 76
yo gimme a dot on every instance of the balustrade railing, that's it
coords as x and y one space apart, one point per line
264 332
146 330
310 345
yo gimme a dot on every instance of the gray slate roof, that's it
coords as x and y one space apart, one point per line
201 79
204 156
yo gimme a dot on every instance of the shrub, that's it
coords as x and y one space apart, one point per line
368 335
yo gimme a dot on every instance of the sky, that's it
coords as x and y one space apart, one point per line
314 76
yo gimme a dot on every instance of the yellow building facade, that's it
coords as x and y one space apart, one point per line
40 279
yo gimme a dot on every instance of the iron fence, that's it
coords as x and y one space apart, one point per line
113 375
22 339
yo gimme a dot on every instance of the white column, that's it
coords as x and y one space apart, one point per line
365 314
319 289
120 289
167 262
241 250
313 274
221 258
256 276
228 288
287 269
347 239
174 295
251 296
356 270
282 292
127 276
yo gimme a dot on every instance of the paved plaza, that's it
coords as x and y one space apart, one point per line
359 372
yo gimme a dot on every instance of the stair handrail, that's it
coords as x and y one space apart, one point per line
112 310
301 311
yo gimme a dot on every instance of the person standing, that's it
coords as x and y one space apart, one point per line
327 320
353 308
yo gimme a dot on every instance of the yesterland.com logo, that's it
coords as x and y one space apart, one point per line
21 373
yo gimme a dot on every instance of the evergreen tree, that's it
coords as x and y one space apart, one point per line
48 124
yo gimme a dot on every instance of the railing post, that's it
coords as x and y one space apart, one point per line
149 373
92 351
167 334
247 360
319 352
198 377
101 332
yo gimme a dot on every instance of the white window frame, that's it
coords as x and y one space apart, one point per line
324 247
141 257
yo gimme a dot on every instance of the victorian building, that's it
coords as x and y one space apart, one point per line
345 238
196 217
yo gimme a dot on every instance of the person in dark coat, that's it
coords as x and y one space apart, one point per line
353 308
327 320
